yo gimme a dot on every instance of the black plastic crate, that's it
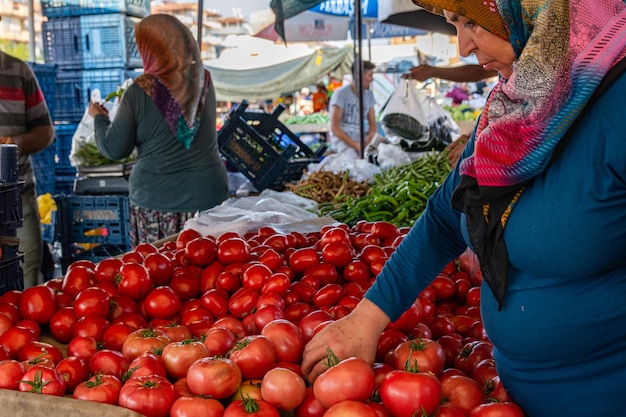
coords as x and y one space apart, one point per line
11 274
259 146
63 8
91 42
10 207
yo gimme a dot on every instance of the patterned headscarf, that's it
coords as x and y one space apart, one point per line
564 48
173 76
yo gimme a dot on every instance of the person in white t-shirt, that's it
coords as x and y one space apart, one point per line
344 113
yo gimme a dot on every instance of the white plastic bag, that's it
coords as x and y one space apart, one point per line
84 134
404 114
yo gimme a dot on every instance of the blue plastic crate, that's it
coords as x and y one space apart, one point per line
94 219
44 168
73 89
65 184
46 77
11 274
64 134
63 8
62 42
91 42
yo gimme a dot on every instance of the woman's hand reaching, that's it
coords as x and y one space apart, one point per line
353 335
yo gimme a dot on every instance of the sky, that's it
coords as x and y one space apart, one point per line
225 7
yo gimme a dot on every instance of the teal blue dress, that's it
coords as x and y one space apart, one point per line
560 339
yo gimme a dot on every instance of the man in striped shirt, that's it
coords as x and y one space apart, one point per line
25 122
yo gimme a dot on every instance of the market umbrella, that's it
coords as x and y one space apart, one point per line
405 13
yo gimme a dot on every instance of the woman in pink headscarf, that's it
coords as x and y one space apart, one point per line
540 196
168 114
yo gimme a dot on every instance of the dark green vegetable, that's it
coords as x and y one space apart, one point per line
398 194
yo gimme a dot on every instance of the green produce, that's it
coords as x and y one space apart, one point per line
89 155
308 119
397 195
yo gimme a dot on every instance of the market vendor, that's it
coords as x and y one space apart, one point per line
540 196
169 115
344 113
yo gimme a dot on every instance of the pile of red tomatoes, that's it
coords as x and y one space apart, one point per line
205 326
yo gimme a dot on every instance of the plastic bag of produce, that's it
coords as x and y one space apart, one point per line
84 151
404 114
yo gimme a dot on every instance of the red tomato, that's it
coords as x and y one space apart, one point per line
162 302
243 302
147 363
214 376
506 409
444 287
350 379
407 394
450 410
185 237
99 388
82 347
11 373
350 408
389 339
278 283
231 323
178 356
472 354
134 281
296 311
38 304
310 406
159 268
250 407
107 269
357 270
266 314
283 388
109 362
151 396
42 380
327 296
309 322
36 349
233 250
271 259
278 242
132 257
91 325
219 341
12 296
74 370
201 251
462 391
254 355
409 319
13 339
78 278
303 258
143 340
286 338
196 407
62 324
325 272
338 254
255 276
92 300
419 355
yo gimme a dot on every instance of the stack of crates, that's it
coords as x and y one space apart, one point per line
92 45
11 274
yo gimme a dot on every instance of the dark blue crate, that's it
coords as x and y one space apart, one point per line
91 42
44 168
64 134
65 184
94 219
11 274
62 8
46 77
74 89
